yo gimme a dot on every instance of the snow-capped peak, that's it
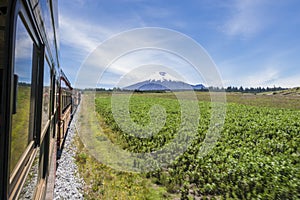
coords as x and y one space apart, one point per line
161 76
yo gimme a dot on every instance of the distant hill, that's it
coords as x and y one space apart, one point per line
289 92
162 81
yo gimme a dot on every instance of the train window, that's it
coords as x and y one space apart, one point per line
53 94
46 94
21 126
57 93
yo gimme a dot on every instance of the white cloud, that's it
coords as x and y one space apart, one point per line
138 65
23 44
291 81
263 78
267 77
23 48
82 35
247 18
149 46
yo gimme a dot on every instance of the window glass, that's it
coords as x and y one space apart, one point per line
53 95
57 94
23 69
46 22
63 95
46 94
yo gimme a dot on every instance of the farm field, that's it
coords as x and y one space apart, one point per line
256 156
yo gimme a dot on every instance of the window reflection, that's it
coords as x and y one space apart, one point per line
22 68
46 94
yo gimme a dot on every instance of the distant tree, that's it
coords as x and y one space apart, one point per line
241 89
116 89
100 89
252 89
229 89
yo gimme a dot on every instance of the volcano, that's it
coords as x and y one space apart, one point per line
162 81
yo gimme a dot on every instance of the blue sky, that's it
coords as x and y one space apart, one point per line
252 42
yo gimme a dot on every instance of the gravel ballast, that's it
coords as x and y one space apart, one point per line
68 184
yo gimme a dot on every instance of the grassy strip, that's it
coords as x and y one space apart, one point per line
103 182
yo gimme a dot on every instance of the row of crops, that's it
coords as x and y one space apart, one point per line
256 156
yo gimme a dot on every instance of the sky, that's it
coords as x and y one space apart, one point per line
252 43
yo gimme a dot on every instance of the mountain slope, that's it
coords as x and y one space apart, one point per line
162 81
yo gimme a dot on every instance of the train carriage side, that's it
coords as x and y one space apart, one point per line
30 78
64 109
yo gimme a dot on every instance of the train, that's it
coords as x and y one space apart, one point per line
37 101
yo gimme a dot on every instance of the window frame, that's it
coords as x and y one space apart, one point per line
11 184
18 175
19 168
46 63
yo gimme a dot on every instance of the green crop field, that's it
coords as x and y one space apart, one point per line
256 156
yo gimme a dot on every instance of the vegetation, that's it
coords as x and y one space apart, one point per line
256 157
102 182
254 90
20 125
271 100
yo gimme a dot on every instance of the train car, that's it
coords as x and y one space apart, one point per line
64 108
76 99
35 98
